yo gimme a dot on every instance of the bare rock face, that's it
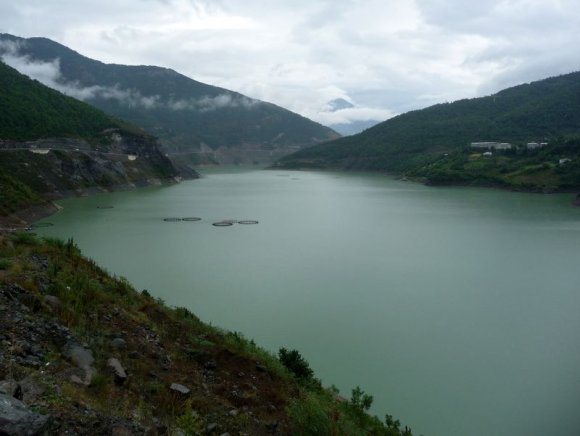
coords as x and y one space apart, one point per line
17 419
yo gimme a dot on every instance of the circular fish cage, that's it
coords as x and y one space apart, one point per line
191 218
40 225
172 219
248 222
223 224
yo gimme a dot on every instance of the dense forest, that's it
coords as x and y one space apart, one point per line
30 110
544 111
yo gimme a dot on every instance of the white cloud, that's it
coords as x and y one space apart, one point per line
388 55
49 74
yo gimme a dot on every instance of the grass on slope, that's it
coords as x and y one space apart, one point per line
235 386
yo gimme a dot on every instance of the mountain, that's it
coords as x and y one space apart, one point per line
353 126
209 123
434 143
339 104
52 145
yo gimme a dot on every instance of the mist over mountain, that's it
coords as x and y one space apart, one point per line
348 118
207 122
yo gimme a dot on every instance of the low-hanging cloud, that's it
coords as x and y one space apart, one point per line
49 74
207 104
353 114
389 54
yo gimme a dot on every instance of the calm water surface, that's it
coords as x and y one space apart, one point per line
457 309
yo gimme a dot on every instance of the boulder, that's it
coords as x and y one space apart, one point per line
53 302
180 389
118 371
118 344
17 419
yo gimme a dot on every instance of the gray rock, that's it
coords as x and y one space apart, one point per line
210 365
233 412
8 387
79 355
180 389
16 419
77 380
31 389
52 301
118 344
211 428
118 371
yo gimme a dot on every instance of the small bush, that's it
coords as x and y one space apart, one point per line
295 363
5 264
25 238
189 422
309 416
361 400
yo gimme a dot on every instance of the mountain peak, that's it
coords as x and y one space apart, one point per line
339 104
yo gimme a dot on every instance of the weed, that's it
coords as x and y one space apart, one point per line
309 416
25 238
189 422
5 264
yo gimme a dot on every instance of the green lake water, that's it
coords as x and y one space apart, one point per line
458 309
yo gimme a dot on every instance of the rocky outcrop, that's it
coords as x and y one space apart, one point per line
18 420
54 168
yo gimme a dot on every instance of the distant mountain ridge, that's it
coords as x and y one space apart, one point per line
188 116
542 110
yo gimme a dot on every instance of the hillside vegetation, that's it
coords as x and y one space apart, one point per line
85 148
544 111
185 114
30 110
85 353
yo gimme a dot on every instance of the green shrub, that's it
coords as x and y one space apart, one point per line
295 363
25 238
5 264
361 400
309 416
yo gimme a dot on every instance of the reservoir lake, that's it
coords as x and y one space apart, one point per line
458 309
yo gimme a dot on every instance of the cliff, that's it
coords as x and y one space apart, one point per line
52 145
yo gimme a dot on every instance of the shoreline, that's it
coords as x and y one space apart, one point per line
23 219
426 182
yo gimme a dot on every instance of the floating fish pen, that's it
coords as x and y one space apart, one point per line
248 222
191 218
223 224
172 219
105 207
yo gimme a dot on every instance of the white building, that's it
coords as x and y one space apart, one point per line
534 145
494 145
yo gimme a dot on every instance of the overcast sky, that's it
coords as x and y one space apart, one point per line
385 56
